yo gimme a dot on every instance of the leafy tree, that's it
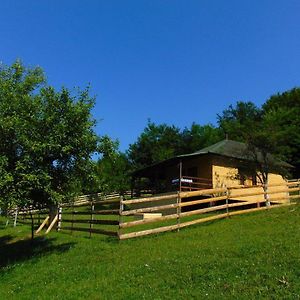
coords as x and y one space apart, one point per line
156 143
241 120
160 142
112 169
197 137
283 111
248 123
47 139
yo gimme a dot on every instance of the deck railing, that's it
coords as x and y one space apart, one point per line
189 183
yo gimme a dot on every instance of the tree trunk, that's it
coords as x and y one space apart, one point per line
52 212
266 195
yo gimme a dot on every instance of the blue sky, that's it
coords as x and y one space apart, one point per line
174 62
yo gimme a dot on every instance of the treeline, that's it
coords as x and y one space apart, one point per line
48 140
272 128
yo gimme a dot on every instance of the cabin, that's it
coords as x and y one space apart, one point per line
227 163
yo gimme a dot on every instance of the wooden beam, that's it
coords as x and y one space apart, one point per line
52 224
147 232
147 221
101 222
149 209
202 220
99 231
202 192
203 210
150 199
200 201
43 224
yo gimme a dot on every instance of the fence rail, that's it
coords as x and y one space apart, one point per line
203 205
115 216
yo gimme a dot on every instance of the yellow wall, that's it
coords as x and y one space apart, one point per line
228 176
224 176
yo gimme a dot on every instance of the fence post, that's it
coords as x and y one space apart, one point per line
16 217
227 202
72 224
59 212
178 209
298 191
288 196
92 218
39 216
121 209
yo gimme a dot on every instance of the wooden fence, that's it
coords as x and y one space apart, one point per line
26 216
128 218
94 217
195 207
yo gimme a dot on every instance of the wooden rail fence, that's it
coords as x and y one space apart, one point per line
123 218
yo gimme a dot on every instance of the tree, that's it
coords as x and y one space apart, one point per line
197 137
112 169
240 120
160 142
47 139
156 143
283 111
249 124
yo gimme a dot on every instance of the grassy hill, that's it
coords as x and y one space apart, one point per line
249 256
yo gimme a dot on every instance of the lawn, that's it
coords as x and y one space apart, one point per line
244 257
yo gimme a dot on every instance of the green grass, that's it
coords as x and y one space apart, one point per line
244 257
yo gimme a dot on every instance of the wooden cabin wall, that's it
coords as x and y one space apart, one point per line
203 165
226 173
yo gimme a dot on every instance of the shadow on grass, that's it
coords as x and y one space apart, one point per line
15 251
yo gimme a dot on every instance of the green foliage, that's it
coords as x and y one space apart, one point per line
253 256
156 143
247 123
160 142
239 122
111 171
283 112
47 138
197 137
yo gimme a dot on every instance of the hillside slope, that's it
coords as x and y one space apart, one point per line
249 256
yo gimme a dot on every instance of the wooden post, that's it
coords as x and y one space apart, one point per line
92 218
39 217
132 186
178 209
59 213
32 226
52 224
42 225
180 175
299 190
72 224
16 217
121 209
227 202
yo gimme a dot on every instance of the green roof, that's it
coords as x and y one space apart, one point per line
225 148
235 150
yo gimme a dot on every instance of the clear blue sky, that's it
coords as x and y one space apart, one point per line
170 61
